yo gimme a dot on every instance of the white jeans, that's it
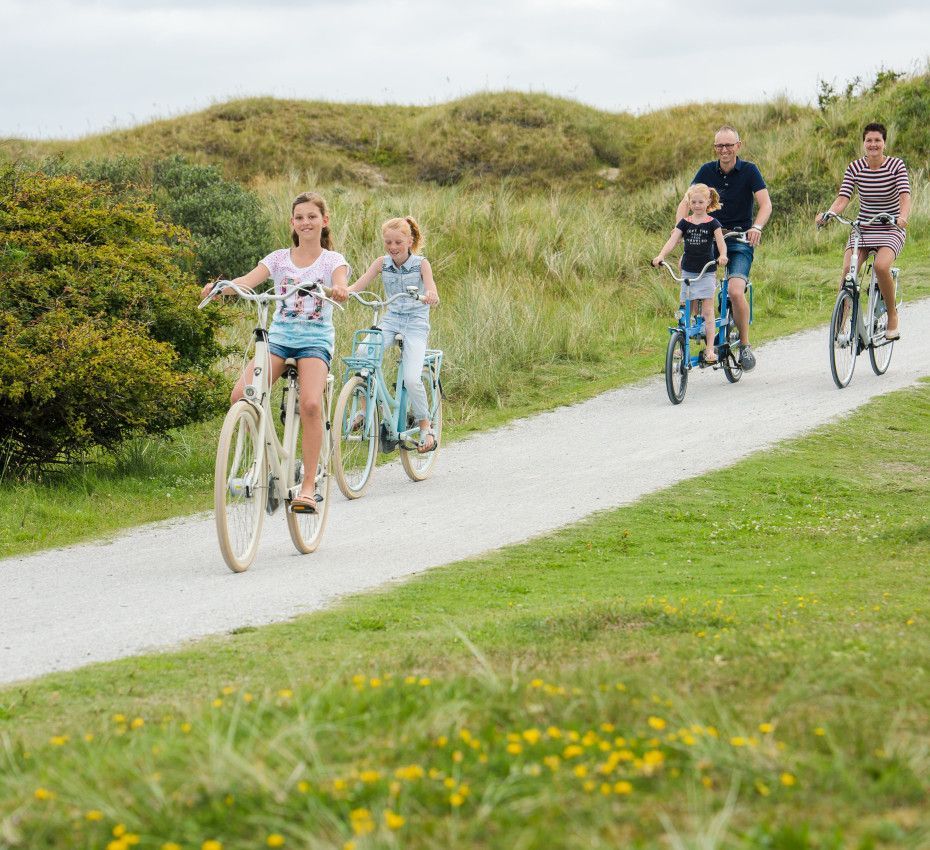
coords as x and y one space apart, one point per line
413 330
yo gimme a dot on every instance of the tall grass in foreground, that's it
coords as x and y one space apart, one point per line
748 675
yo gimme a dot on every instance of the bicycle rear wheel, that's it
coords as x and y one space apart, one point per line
420 466
240 486
880 355
356 443
843 339
306 529
676 375
731 367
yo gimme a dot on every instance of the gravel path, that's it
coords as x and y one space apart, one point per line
159 585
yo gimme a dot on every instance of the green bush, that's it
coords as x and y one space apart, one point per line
101 337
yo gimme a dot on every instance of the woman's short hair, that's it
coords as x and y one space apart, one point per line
875 127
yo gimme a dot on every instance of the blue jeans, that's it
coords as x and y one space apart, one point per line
740 259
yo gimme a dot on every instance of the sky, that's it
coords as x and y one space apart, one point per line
69 68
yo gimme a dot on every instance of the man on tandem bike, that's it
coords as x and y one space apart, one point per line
739 184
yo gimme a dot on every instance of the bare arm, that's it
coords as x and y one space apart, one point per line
258 275
722 258
370 274
904 199
836 207
340 276
431 296
673 240
763 214
682 210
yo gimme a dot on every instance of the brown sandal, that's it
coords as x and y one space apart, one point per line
304 505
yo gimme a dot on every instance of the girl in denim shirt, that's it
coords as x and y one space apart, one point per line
399 268
302 327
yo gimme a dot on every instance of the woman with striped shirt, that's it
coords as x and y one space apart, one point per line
883 187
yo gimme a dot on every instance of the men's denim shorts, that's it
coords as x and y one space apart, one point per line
740 259
300 352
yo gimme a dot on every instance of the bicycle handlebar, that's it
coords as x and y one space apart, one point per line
682 278
738 235
829 215
378 302
247 294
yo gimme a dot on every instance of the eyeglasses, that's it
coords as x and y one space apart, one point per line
725 147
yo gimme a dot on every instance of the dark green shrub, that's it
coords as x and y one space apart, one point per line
102 340
231 232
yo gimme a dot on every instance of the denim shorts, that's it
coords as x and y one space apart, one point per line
299 352
740 259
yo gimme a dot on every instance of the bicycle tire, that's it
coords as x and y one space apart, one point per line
843 339
731 367
880 356
676 375
354 454
419 466
306 529
240 486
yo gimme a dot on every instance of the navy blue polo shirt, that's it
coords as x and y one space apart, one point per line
736 189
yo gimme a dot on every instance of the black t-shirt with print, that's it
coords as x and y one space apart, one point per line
699 243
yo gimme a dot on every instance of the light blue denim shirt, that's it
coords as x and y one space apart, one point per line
397 279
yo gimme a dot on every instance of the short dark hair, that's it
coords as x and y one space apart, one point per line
875 127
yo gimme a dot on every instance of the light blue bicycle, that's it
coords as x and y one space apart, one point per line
368 415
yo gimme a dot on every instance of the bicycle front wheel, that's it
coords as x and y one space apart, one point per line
880 355
240 487
843 339
356 442
419 466
676 375
306 529
731 367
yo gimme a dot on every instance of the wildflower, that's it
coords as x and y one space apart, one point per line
409 772
589 785
303 786
514 749
653 757
572 750
44 794
211 844
117 844
275 840
738 741
228 690
456 800
449 782
623 787
393 820
605 788
170 845
362 822
410 680
820 731
607 727
247 697
89 737
788 780
441 741
531 736
369 776
707 782
358 680
94 814
186 728
217 703
580 771
285 693
762 788
119 718
553 732
458 756
137 723
766 728
552 762
349 845
375 682
59 740
656 723
425 681
537 683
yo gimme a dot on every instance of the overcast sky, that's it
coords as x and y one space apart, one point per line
73 67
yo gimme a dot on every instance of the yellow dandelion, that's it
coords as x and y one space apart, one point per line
458 756
119 718
375 682
339 784
227 690
580 771
117 844
441 741
137 723
44 794
425 681
514 749
589 785
532 736
623 787
88 737
409 772
369 776
605 788
656 723
170 845
94 814
788 779
410 680
653 757
707 782
217 703
456 800
465 735
820 731
359 680
275 840
738 741
762 789
211 844
572 750
537 683
186 728
59 740
285 693
247 697
349 845
766 728
229 800
607 727
554 733
392 820
131 839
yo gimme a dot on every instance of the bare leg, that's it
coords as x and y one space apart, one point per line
311 372
707 311
882 265
277 369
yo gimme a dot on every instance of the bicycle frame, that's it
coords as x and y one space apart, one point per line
368 347
693 325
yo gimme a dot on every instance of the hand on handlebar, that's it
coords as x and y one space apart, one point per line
722 260
657 261
753 236
430 297
340 293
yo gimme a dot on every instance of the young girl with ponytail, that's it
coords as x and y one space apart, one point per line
700 233
399 268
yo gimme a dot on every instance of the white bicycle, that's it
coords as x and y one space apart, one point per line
256 470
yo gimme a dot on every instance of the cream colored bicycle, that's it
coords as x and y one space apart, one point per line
256 469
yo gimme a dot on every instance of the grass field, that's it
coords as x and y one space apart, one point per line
661 675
